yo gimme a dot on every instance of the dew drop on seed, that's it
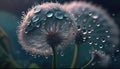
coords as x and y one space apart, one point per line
101 46
90 13
106 31
103 40
46 57
98 25
84 38
84 31
89 25
90 42
97 38
95 16
37 26
89 37
28 28
96 44
35 18
26 32
59 15
37 10
84 20
89 31
108 36
49 14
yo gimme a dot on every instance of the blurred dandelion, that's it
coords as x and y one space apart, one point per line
98 57
94 27
45 29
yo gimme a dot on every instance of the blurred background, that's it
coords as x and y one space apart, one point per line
10 15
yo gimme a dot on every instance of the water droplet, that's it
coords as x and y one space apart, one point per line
49 14
46 57
84 31
113 45
92 30
94 21
84 20
103 40
117 50
98 25
96 43
28 28
94 16
89 25
37 26
26 32
37 10
62 54
89 31
90 42
97 38
59 15
35 18
66 15
84 38
106 31
92 64
101 46
90 13
89 37
108 36
78 26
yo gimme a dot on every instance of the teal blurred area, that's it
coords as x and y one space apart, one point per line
9 23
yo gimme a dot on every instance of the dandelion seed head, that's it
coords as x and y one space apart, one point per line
45 26
95 24
100 57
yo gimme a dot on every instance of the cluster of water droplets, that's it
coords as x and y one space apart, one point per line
97 27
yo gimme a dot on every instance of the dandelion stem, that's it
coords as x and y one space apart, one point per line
54 58
75 58
87 63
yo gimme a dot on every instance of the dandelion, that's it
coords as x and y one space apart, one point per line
94 27
45 29
98 57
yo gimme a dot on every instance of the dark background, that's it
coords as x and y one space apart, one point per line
17 6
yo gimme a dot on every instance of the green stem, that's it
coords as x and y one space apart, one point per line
87 63
75 58
54 58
